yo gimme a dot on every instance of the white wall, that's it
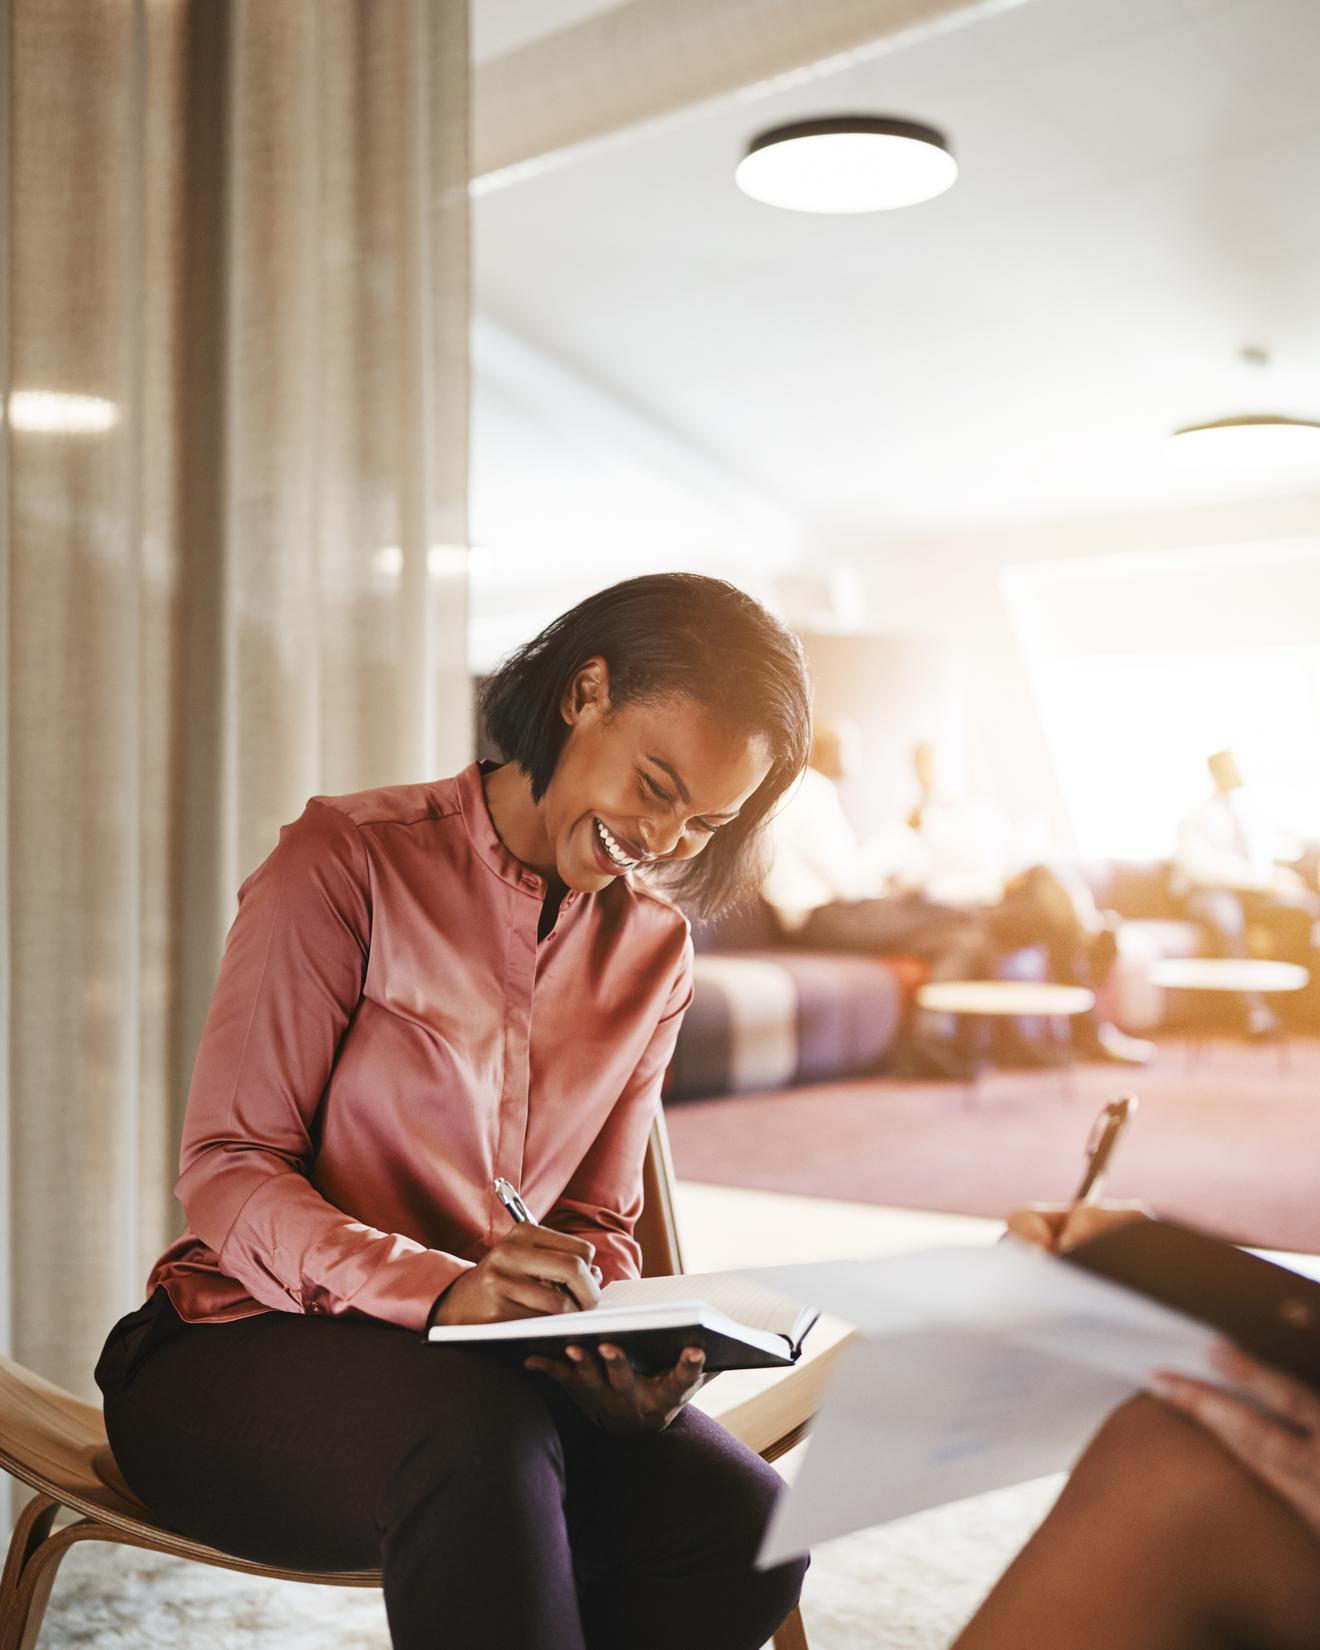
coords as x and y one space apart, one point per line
573 489
896 691
948 587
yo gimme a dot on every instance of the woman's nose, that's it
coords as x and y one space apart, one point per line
660 836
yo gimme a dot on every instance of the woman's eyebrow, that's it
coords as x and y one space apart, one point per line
673 773
679 786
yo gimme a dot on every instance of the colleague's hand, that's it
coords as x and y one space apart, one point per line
1058 1226
606 1387
517 1278
1282 1449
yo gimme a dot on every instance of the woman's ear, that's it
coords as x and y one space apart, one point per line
588 689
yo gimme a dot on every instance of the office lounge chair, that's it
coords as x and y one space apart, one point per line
56 1443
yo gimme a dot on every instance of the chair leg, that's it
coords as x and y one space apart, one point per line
792 1635
30 1530
24 1612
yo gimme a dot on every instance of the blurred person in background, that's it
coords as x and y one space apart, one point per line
954 885
829 891
962 849
1227 872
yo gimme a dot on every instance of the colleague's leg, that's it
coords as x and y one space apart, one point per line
335 1443
665 1530
1220 913
951 941
1160 1541
1043 908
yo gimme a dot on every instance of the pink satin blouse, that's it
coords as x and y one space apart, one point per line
387 1035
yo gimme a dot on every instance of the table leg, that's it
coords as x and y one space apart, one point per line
1063 1043
972 1083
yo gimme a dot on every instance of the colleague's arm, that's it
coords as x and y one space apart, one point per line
1208 862
1058 1226
289 982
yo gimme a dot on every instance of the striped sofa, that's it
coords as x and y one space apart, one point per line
768 1018
765 1015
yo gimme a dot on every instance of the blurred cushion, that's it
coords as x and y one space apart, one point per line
767 1019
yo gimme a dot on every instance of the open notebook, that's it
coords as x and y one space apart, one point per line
738 1322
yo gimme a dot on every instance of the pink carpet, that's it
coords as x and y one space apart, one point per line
1229 1143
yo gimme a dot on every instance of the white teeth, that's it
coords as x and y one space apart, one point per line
612 848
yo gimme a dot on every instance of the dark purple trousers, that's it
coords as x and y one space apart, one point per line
498 1514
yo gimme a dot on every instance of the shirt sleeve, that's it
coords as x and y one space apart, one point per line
603 1197
1207 858
290 980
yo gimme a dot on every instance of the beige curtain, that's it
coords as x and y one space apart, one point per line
233 356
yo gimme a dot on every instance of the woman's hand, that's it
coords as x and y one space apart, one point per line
1282 1448
517 1278
607 1388
1058 1226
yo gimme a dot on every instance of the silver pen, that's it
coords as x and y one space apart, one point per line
508 1196
1101 1147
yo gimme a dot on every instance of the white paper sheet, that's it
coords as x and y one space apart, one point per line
978 1368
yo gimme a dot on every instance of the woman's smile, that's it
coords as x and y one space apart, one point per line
614 854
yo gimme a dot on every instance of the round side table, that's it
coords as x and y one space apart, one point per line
1235 974
1012 999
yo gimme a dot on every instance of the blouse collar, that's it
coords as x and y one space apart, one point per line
486 839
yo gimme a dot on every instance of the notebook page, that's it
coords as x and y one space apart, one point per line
733 1293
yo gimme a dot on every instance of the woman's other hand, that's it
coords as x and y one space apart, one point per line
1059 1226
518 1277
606 1387
1282 1448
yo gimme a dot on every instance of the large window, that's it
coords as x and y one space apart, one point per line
1143 664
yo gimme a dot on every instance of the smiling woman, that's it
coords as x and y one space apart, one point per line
428 986
684 705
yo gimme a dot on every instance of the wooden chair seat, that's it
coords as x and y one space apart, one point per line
56 1443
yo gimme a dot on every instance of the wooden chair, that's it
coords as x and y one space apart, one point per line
56 1443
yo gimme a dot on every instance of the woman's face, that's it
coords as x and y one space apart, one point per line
645 782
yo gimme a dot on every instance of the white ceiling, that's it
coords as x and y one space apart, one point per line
1139 197
504 25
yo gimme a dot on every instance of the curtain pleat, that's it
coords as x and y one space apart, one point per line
235 572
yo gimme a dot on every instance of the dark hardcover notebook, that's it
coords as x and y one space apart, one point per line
737 1322
1270 1310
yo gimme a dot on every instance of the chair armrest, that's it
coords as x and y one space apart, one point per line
769 1409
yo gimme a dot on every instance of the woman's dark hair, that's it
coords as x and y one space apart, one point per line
662 636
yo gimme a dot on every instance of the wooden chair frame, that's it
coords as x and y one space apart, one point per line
56 1443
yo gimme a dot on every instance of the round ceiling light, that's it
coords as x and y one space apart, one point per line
849 163
1252 443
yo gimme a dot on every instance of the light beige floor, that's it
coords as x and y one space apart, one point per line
722 1227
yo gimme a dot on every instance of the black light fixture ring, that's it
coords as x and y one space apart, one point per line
872 125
